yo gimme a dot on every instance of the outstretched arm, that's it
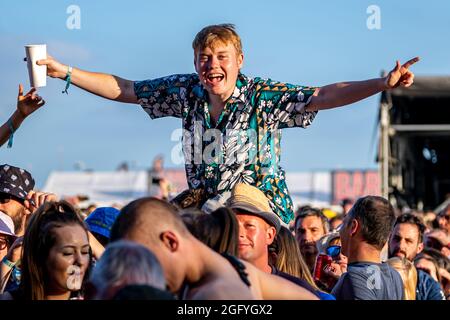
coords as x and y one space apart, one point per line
26 105
104 85
343 93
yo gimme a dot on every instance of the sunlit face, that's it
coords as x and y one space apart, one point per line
218 69
255 235
307 232
67 260
404 241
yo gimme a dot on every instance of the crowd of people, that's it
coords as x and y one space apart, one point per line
229 236
155 249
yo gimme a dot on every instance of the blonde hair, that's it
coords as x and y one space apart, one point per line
211 36
288 257
409 275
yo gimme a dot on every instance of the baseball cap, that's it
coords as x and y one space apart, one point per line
101 220
15 181
254 202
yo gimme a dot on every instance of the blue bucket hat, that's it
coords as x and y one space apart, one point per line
101 220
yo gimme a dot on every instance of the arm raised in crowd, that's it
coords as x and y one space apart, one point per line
26 105
344 93
104 85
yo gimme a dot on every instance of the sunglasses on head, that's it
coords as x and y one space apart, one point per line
333 251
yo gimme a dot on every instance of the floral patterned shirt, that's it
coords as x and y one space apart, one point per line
244 144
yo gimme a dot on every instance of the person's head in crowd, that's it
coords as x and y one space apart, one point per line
212 40
429 265
444 219
15 183
310 226
335 222
56 253
366 227
7 235
258 224
156 224
100 222
286 256
329 240
429 218
187 262
408 273
439 240
219 230
124 263
443 264
346 205
406 240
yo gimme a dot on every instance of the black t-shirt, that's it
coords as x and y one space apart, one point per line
297 281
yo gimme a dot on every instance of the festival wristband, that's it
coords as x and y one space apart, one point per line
8 263
11 136
68 79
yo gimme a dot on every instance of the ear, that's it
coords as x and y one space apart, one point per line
354 227
240 60
170 240
195 63
270 235
420 248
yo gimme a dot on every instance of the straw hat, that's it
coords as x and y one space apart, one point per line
254 202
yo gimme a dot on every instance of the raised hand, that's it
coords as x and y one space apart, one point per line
27 104
401 75
35 199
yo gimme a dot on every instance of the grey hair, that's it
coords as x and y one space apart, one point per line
127 263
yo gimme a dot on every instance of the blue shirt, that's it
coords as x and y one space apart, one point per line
369 281
427 287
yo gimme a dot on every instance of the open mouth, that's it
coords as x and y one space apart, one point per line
214 78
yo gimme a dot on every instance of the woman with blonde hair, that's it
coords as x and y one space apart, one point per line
409 275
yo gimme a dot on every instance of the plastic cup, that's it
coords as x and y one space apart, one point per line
37 74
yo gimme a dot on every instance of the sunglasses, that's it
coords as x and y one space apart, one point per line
4 243
333 251
5 198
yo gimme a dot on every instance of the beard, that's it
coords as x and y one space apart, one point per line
309 249
17 218
400 254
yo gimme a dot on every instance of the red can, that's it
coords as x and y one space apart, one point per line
322 261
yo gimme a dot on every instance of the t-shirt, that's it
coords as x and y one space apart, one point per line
369 281
428 288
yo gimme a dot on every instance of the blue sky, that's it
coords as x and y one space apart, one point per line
301 42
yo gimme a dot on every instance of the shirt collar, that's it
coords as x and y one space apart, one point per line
240 89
